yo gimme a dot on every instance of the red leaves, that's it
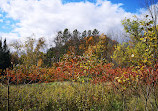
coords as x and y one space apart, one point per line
82 67
58 68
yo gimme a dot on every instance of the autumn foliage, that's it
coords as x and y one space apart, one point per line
131 68
81 69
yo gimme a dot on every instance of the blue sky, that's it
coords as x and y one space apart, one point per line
129 5
6 24
21 18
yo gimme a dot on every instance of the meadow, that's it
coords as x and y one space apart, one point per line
70 96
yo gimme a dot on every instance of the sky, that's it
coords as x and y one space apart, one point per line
44 18
128 5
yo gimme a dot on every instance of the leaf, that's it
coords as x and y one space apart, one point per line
142 28
142 39
147 50
128 20
150 29
116 77
145 61
151 22
119 81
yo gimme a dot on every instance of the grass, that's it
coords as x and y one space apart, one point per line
66 96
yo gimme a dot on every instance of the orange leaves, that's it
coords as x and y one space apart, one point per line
82 47
58 69
56 64
81 67
90 39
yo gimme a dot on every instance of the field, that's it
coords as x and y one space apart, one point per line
72 96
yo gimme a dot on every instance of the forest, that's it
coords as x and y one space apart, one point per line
83 71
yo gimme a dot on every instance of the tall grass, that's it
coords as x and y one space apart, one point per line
68 96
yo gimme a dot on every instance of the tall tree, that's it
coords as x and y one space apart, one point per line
84 34
152 7
32 51
75 35
58 39
5 57
142 50
75 40
95 32
89 33
66 36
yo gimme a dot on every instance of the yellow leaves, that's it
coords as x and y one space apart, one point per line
124 88
137 78
102 36
141 68
147 50
145 60
127 79
119 80
143 39
40 61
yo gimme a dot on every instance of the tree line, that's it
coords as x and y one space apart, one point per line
30 51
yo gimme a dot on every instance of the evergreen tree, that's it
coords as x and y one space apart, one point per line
66 36
89 33
95 32
5 57
84 34
58 39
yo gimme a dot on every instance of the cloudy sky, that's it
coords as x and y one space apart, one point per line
22 18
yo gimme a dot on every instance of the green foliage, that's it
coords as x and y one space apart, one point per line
5 57
104 48
31 51
133 28
119 55
127 55
143 49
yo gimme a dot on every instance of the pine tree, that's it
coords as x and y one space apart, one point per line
5 57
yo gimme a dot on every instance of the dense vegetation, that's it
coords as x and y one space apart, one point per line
74 97
5 57
85 71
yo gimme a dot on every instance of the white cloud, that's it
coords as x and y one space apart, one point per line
1 20
11 37
1 15
46 17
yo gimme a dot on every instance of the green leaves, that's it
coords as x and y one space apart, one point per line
143 43
128 20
